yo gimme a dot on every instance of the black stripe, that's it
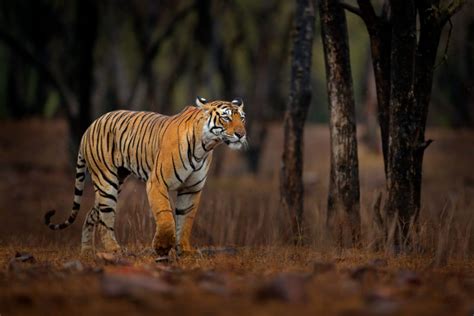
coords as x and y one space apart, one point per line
76 206
189 193
72 217
107 227
190 159
80 175
204 146
200 181
106 210
175 171
100 149
165 128
194 146
61 226
179 147
143 147
112 151
162 177
202 164
137 145
113 184
77 191
105 194
185 211
131 138
109 181
164 195
194 150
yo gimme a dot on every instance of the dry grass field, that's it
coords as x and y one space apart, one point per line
42 272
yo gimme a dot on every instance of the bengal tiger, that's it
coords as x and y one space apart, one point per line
169 153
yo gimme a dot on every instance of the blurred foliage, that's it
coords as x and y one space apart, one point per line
217 49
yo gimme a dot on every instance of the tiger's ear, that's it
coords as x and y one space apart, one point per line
200 101
238 102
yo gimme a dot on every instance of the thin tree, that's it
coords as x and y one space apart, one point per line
343 197
291 184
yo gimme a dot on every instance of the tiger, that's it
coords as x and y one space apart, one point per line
168 153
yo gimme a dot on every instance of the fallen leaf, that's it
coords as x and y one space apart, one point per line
24 257
127 283
290 288
74 265
110 258
407 277
363 272
323 267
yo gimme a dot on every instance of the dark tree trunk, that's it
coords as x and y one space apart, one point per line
343 198
291 184
402 125
380 33
407 65
430 34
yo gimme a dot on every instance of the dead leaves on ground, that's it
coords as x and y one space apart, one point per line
377 288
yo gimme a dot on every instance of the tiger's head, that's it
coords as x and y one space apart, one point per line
225 121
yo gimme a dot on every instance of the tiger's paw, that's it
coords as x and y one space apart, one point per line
112 246
186 250
163 242
87 250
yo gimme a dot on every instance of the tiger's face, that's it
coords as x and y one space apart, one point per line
226 121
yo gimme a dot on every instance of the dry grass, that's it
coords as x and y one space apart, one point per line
239 210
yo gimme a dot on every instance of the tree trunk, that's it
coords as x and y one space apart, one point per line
402 125
291 184
408 66
430 34
343 198
380 33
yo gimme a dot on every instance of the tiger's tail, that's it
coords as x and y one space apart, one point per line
78 189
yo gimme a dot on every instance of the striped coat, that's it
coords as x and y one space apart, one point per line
169 153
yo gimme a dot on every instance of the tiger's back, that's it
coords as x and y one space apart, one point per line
122 140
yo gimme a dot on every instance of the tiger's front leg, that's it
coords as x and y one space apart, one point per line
186 208
165 235
187 203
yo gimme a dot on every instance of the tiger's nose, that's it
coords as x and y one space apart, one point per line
239 134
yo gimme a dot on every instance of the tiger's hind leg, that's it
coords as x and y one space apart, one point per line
106 198
88 230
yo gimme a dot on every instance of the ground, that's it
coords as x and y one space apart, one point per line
272 281
43 272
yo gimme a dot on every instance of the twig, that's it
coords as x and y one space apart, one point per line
451 10
351 8
445 55
425 144
368 15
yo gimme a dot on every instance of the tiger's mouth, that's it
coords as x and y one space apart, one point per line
236 145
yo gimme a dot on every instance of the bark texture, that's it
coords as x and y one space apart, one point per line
291 184
402 124
343 198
